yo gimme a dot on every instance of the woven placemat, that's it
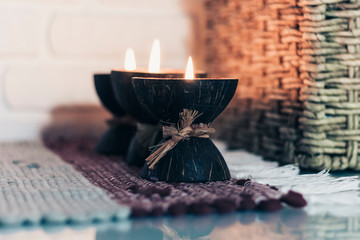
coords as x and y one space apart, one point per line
36 186
123 184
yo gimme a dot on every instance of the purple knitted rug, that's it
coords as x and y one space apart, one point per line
146 198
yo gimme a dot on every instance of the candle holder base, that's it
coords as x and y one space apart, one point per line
192 160
115 141
121 127
147 135
188 108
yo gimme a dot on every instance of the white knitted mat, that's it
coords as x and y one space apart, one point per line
324 192
37 186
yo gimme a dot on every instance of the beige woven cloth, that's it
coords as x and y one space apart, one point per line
36 186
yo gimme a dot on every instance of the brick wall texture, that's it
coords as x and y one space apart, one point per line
62 42
49 49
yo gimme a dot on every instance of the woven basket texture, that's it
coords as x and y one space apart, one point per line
298 64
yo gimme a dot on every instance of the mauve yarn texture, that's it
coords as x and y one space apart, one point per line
145 198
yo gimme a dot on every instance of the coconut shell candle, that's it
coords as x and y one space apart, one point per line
121 128
186 107
148 129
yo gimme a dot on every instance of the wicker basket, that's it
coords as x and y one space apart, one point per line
298 63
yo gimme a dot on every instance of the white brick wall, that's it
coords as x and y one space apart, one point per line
49 50
13 34
105 36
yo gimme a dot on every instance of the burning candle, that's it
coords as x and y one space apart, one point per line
121 80
189 73
186 107
148 128
154 62
121 129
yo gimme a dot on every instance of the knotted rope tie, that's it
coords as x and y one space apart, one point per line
183 131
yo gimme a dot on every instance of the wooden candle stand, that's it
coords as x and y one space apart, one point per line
121 128
148 128
193 159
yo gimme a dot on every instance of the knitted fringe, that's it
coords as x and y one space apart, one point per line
324 192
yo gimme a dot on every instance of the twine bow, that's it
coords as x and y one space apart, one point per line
183 131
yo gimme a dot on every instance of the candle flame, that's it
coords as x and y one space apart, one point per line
189 69
154 63
130 63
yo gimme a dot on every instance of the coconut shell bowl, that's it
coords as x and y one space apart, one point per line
148 128
194 158
117 138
